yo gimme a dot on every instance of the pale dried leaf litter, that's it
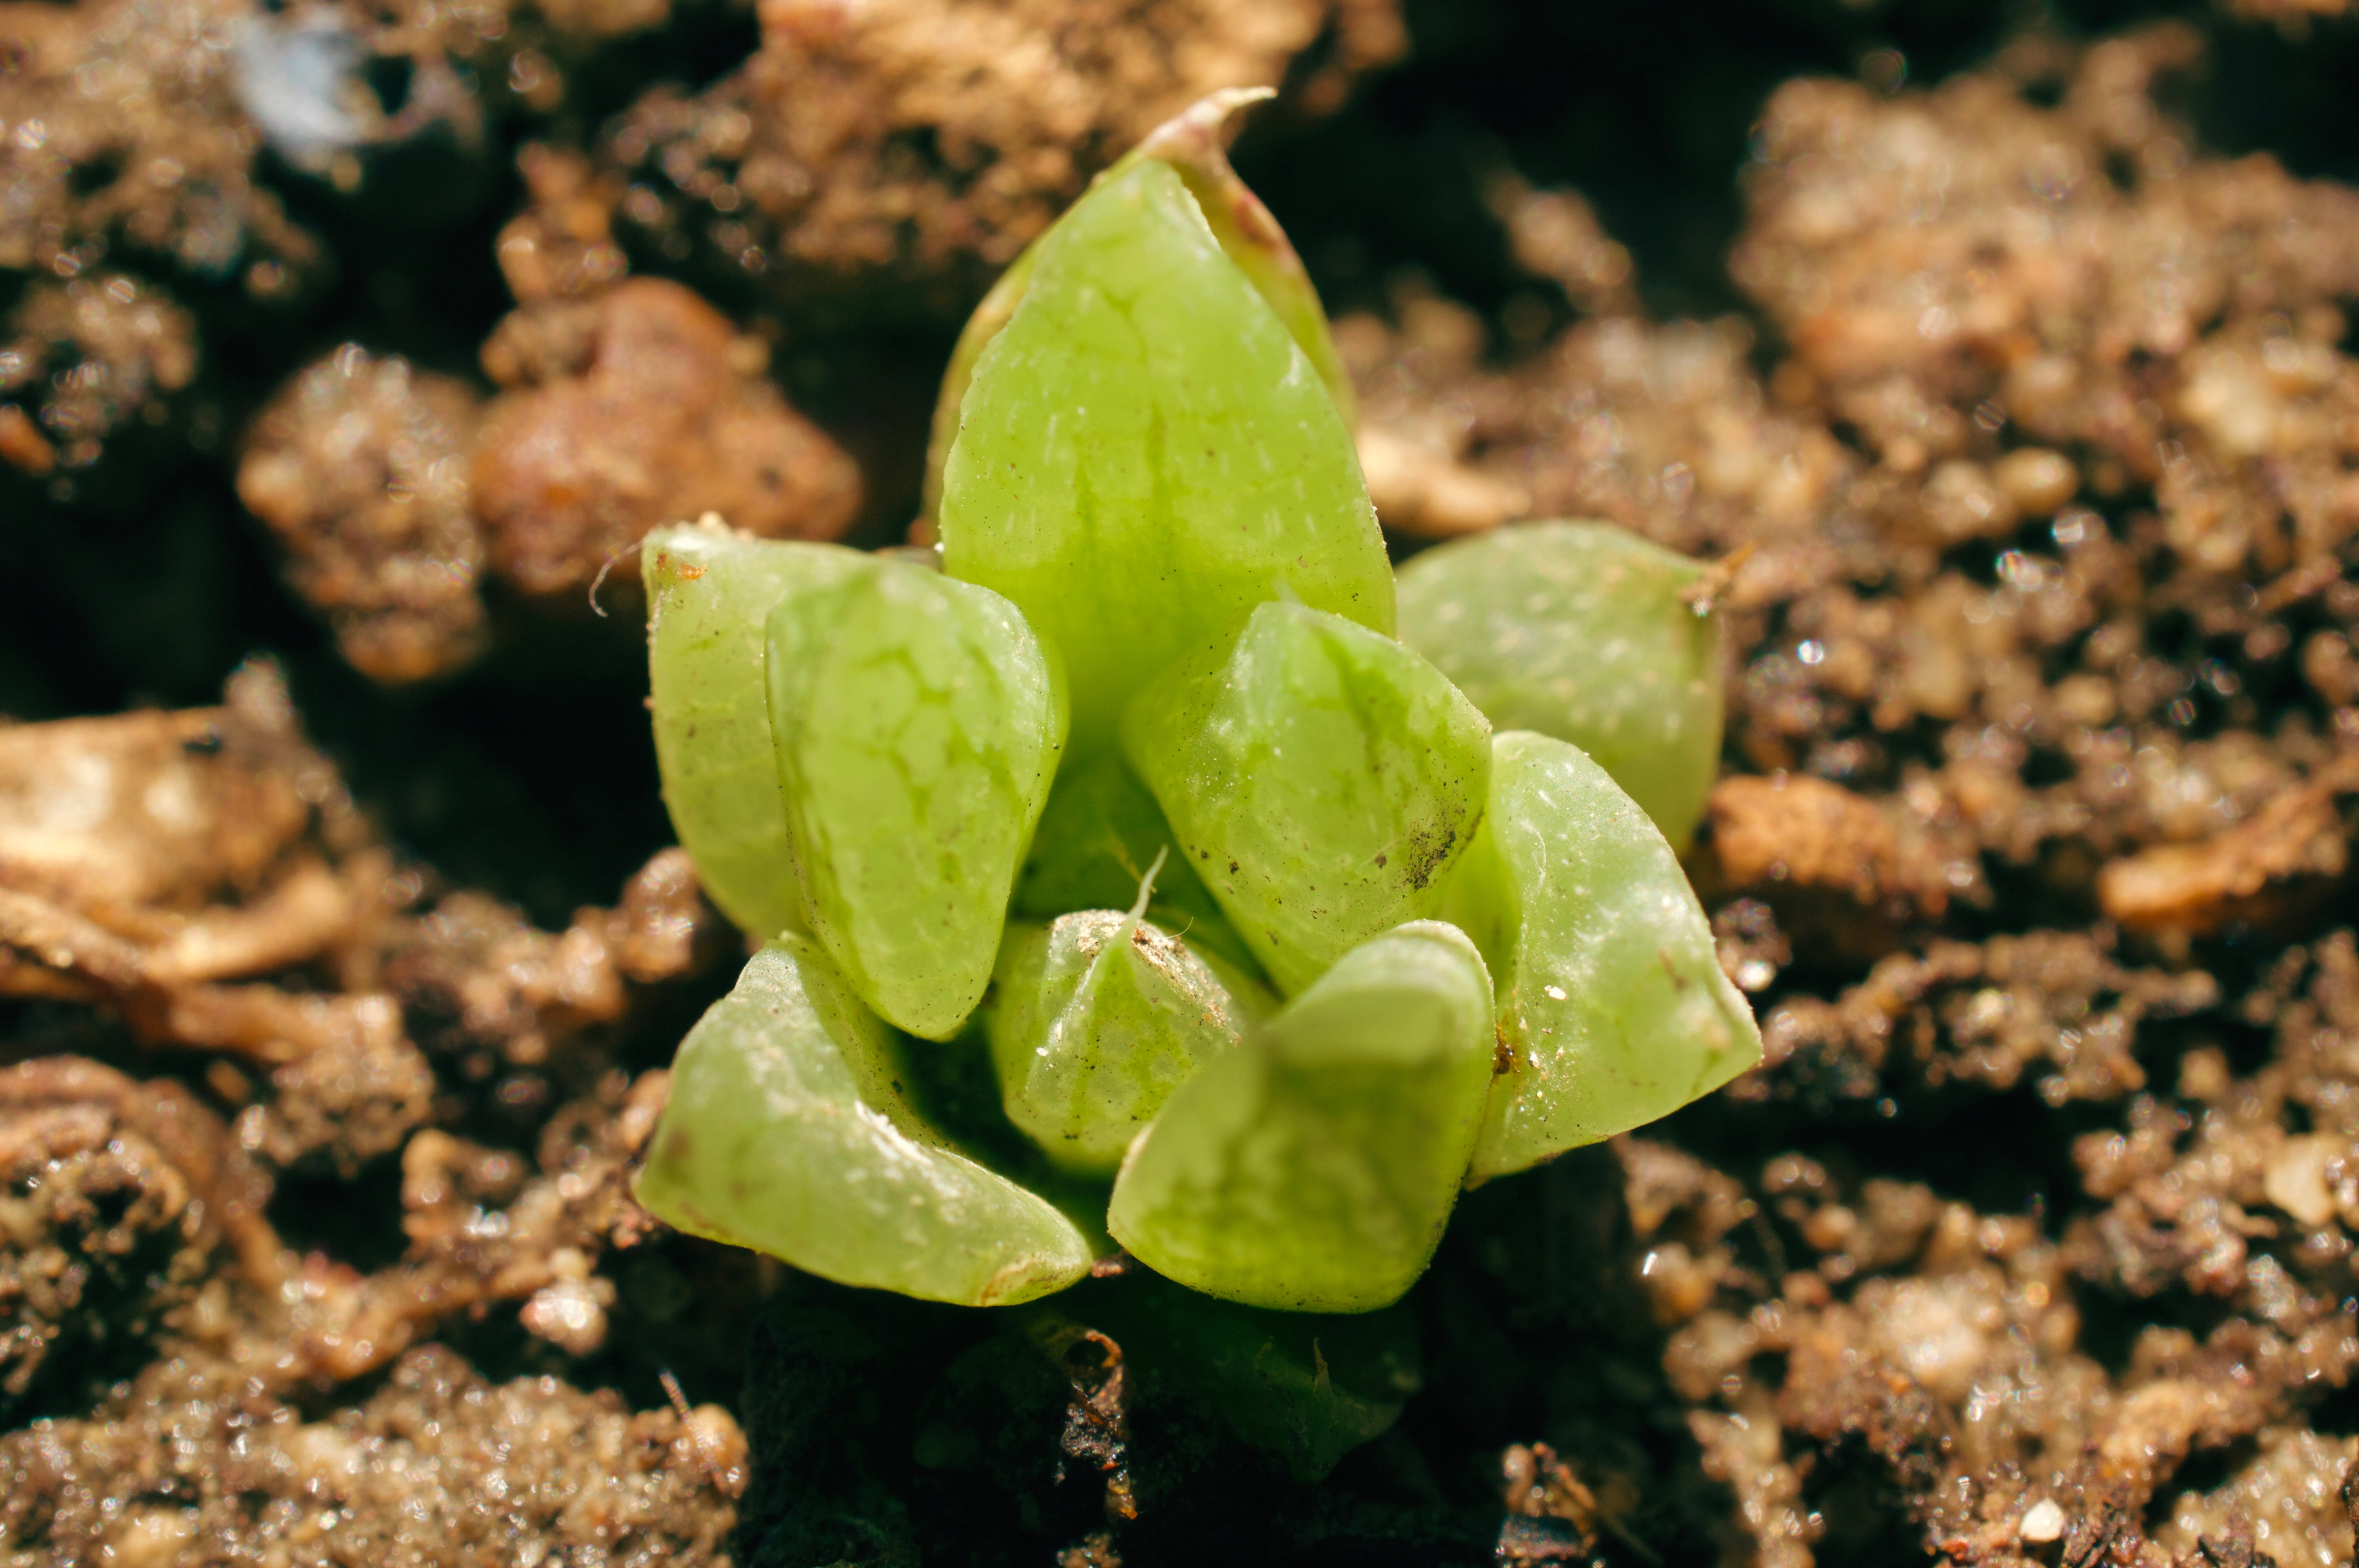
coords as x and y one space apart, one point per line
202 877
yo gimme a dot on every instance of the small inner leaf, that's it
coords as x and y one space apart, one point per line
1314 1168
709 593
1096 1018
1098 833
1143 450
917 723
1322 780
1580 631
1610 997
788 1130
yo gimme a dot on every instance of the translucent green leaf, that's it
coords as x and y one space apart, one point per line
918 723
1322 780
1144 453
1312 1169
787 1131
709 593
1610 995
1190 143
1578 630
1098 833
1096 1018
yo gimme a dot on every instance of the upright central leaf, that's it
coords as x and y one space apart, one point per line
1146 454
1100 1016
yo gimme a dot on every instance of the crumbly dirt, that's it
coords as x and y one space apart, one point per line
637 406
192 1463
360 468
342 950
913 147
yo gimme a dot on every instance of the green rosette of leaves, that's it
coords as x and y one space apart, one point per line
1135 806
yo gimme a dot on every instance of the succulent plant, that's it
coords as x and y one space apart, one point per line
1134 810
1587 633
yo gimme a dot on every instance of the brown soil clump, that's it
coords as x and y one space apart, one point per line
360 467
639 407
118 1193
908 150
396 492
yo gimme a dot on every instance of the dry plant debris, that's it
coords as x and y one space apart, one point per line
203 878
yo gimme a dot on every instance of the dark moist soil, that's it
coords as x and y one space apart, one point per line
2005 355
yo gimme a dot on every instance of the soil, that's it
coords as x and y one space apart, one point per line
2000 355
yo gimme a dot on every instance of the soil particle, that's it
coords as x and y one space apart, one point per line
88 356
1835 869
1959 1382
2054 1009
1948 1347
1903 331
359 466
896 155
114 1195
22 445
494 993
215 843
397 491
1751 947
193 1462
356 1095
540 1248
560 245
2263 872
133 130
135 819
1661 427
125 135
1539 1485
640 406
153 860
2282 1501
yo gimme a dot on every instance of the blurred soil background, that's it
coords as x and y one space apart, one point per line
2003 352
